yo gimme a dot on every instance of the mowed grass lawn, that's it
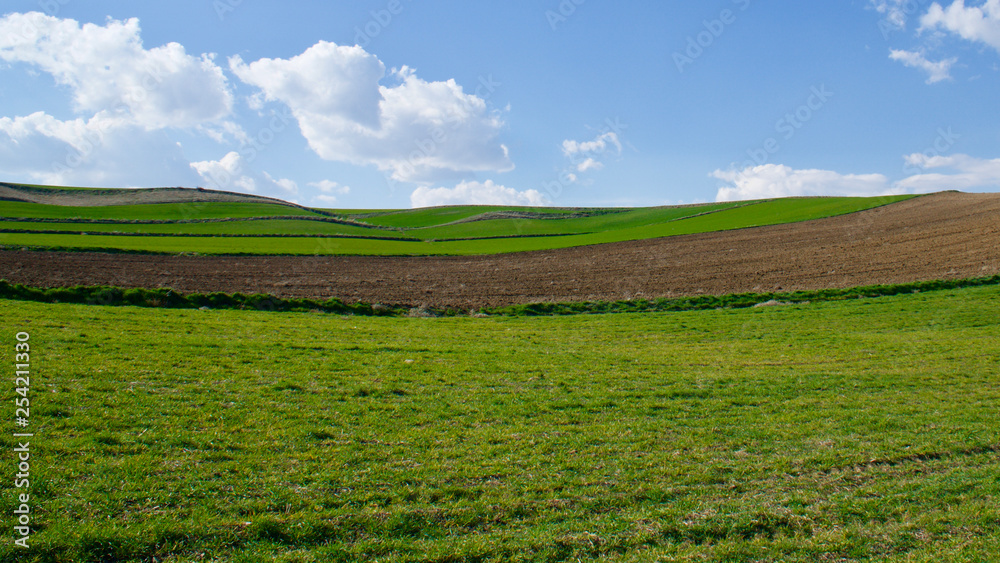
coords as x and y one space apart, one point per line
857 430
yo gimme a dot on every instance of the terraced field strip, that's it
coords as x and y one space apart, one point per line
435 216
490 237
943 236
263 245
568 225
157 211
275 226
469 229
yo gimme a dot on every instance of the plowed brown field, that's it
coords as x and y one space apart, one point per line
940 236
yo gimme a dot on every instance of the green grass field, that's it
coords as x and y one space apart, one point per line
429 231
159 211
434 216
276 227
853 430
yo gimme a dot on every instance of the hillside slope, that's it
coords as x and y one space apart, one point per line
95 197
941 236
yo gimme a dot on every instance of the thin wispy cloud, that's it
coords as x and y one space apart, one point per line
937 71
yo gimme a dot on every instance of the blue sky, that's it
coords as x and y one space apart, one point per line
400 103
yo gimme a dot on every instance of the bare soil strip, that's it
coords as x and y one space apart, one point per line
941 236
100 197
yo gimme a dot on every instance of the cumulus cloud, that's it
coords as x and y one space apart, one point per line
415 130
329 190
598 145
476 193
979 24
108 70
589 164
777 180
966 173
583 154
128 98
339 82
232 173
288 187
101 151
961 172
936 71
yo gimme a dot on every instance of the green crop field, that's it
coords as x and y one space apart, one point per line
435 231
852 430
434 216
158 211
615 220
274 227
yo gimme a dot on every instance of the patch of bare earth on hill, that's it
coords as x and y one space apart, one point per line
100 197
940 236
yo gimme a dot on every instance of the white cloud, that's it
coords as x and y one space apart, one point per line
979 24
599 145
936 71
476 193
895 11
589 164
326 80
231 173
102 151
582 154
286 185
329 187
129 97
108 70
417 131
225 174
776 180
968 173
329 190
224 131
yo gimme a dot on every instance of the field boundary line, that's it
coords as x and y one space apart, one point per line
169 298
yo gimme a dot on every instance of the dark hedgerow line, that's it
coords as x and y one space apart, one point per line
734 300
97 249
168 298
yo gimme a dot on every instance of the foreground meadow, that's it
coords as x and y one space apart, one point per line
857 430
